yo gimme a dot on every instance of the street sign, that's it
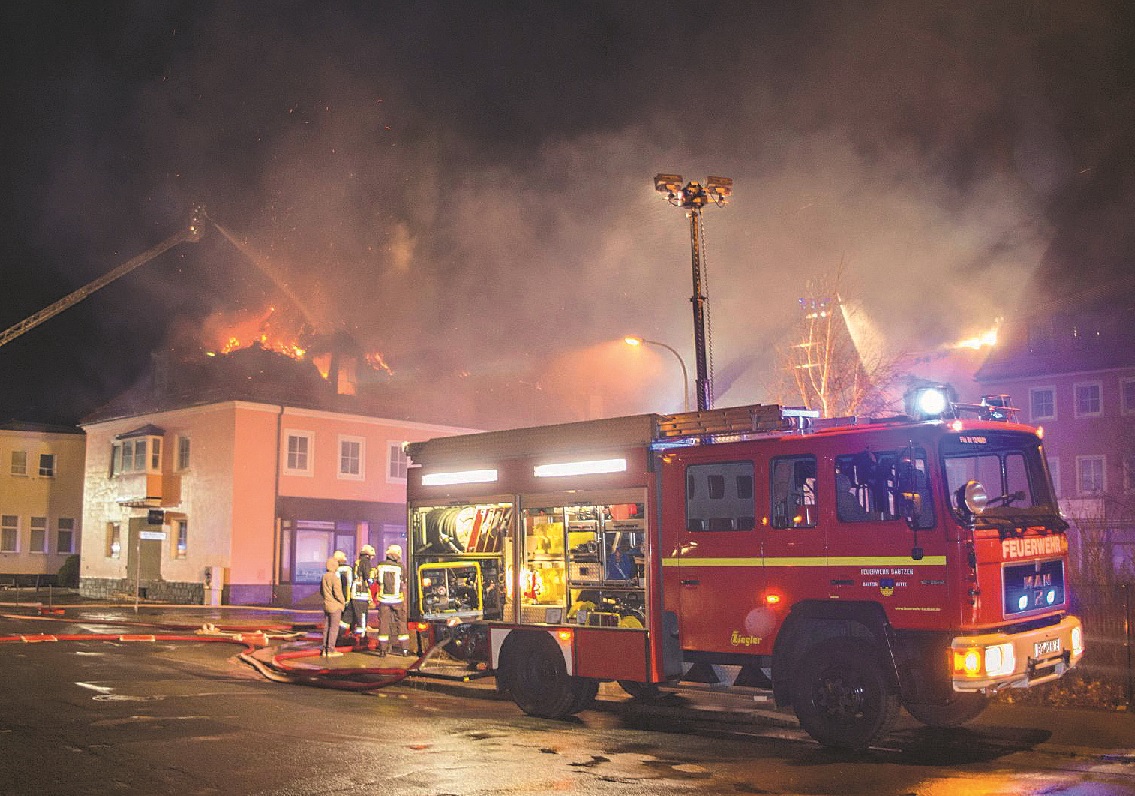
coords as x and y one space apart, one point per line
152 535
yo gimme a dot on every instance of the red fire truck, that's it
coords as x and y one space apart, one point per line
850 567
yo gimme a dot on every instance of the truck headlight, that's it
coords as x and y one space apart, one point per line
995 660
1000 660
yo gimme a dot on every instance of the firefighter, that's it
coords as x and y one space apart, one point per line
361 578
391 609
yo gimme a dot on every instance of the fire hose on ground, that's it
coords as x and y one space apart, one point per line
278 666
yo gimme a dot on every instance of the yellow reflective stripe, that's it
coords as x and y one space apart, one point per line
809 561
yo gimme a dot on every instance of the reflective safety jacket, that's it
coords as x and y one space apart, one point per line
389 580
362 576
346 576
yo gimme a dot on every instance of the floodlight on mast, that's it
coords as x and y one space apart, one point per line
693 197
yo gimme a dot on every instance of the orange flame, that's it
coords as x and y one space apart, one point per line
376 361
259 330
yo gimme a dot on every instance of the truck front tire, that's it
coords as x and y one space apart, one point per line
842 696
962 708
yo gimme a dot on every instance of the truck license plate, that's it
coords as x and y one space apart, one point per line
1050 647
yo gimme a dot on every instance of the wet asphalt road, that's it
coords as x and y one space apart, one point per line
105 716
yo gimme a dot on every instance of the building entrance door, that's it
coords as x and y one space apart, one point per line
143 551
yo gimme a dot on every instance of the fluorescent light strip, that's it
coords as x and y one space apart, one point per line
580 468
463 477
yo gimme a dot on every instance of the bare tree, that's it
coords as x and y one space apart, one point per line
826 366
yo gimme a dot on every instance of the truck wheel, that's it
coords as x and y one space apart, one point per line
586 688
962 708
641 692
537 678
841 695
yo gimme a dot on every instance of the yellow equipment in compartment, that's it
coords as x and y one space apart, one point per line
450 588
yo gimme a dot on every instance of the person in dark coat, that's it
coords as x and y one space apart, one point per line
334 601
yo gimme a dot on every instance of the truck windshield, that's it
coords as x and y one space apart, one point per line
1009 464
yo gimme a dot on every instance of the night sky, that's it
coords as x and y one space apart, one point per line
467 186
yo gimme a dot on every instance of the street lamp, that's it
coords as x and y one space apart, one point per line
636 341
693 197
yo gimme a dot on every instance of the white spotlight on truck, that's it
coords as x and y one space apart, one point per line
930 402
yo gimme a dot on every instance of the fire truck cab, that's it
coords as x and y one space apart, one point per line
850 567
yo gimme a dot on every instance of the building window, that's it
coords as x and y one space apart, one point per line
183 453
1042 403
9 533
1088 401
180 538
19 462
1127 395
351 458
65 535
47 465
113 540
396 472
37 542
298 461
1090 475
1129 474
138 454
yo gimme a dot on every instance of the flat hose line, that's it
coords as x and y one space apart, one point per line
278 669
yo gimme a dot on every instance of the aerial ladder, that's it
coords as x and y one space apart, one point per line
190 234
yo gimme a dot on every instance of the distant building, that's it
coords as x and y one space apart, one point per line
1073 374
41 500
235 479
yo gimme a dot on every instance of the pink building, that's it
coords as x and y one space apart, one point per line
219 494
1073 374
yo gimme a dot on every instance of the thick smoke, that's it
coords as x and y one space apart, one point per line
469 190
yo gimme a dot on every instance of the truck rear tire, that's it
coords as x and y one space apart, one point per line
962 708
842 696
586 689
641 692
536 677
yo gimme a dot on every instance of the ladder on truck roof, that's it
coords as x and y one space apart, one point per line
684 428
732 423
755 418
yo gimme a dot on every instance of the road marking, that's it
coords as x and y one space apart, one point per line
102 689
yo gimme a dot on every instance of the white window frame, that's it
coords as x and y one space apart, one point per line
345 439
395 454
52 465
1124 407
6 526
183 453
309 465
179 530
38 526
114 537
1076 398
151 460
20 469
1032 404
1083 460
1129 474
64 525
